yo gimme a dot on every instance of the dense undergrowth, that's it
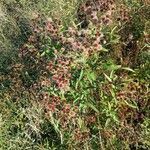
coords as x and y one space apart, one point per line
74 75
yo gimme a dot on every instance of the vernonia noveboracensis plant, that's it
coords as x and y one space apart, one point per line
81 84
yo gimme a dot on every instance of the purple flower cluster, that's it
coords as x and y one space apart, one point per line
60 71
99 12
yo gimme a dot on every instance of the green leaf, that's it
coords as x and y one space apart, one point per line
80 77
104 49
80 122
107 77
107 122
93 107
131 105
109 106
112 31
91 76
128 69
